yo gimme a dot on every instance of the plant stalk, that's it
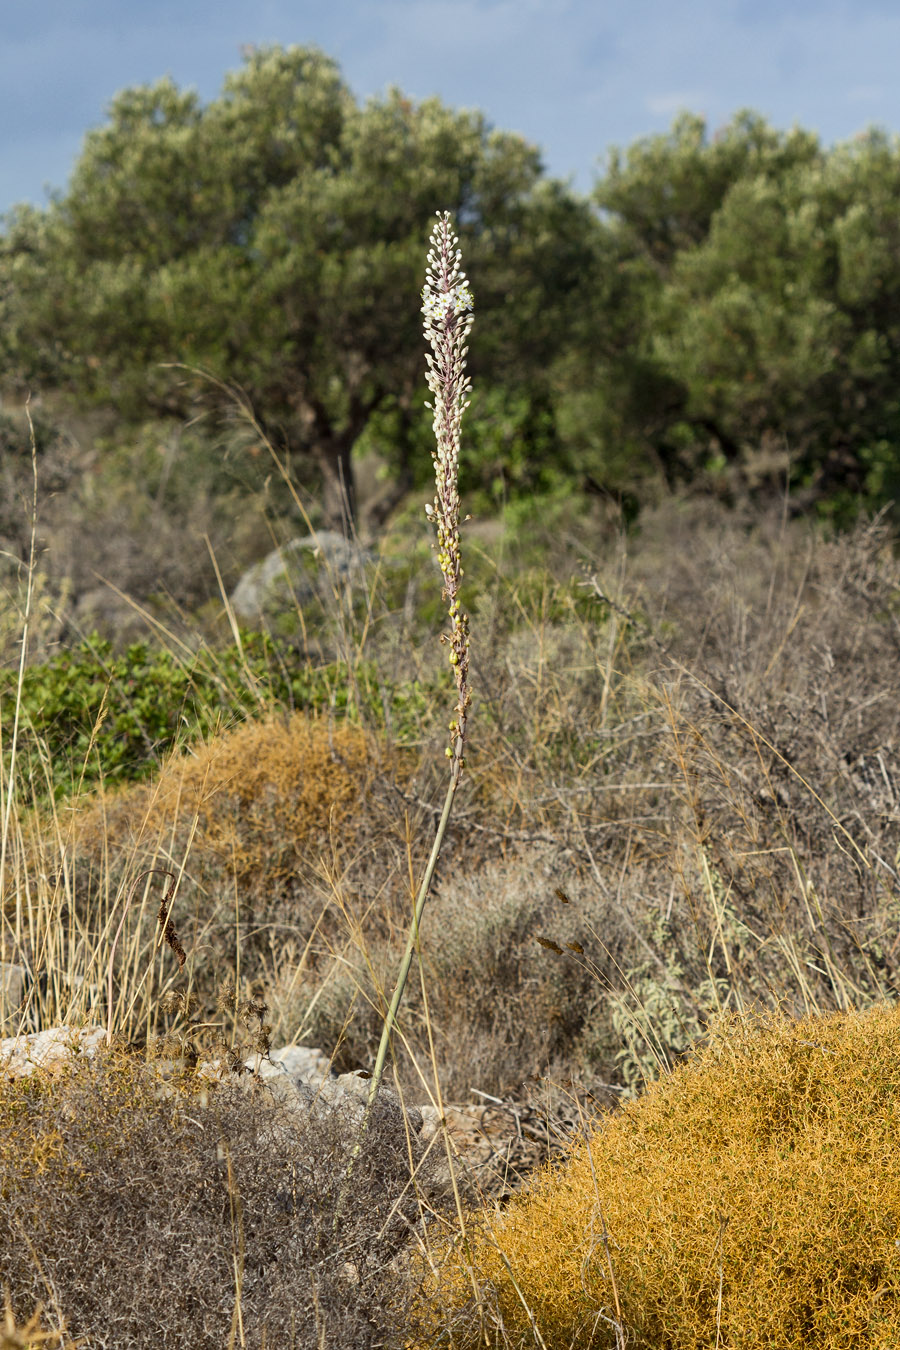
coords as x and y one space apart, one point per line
413 942
446 304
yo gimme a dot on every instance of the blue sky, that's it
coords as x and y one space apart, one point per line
572 76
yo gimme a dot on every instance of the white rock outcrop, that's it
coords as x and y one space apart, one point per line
21 1055
483 1138
296 573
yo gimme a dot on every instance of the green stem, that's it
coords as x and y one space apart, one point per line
413 942
391 1017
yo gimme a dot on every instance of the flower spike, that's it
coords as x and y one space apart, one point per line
447 304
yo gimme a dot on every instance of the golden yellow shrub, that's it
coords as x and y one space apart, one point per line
750 1199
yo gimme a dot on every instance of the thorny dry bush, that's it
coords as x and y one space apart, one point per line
181 1212
707 768
758 865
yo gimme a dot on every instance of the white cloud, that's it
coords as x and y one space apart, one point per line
667 105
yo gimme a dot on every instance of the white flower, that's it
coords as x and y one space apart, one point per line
463 300
446 297
436 305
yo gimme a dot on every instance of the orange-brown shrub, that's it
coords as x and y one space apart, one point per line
263 796
258 825
750 1199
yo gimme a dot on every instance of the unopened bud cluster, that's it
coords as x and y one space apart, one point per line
447 305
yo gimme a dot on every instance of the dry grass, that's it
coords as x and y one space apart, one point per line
680 803
716 800
252 825
718 797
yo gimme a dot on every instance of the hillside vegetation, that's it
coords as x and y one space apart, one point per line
679 807
663 928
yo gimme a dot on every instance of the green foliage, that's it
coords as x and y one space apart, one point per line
91 714
775 308
744 317
266 237
510 451
665 191
722 309
655 1023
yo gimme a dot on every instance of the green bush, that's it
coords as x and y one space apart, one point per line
90 714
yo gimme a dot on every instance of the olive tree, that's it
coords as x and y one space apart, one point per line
272 239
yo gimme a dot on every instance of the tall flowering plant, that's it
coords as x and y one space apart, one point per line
447 306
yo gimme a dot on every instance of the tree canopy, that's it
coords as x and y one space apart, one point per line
722 308
275 238
765 275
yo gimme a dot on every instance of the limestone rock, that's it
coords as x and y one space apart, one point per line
494 1144
50 1049
304 1078
299 1062
299 571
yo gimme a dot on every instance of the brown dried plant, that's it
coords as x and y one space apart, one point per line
749 1198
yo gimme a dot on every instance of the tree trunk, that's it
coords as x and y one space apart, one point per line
338 486
385 501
